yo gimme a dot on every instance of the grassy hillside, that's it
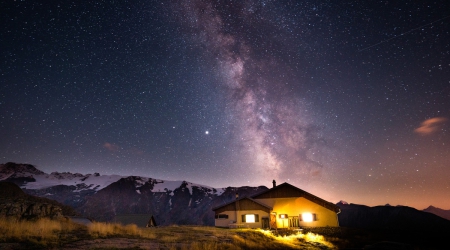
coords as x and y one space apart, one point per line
64 234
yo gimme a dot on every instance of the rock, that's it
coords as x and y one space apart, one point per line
15 203
22 209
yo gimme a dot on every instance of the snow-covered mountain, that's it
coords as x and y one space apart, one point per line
104 197
13 170
29 177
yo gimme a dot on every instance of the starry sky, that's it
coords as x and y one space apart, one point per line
348 100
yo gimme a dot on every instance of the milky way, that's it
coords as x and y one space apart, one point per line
344 99
275 136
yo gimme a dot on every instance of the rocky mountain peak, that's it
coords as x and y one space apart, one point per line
11 168
66 175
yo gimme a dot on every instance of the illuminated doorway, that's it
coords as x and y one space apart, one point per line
273 221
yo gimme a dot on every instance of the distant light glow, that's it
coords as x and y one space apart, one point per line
307 217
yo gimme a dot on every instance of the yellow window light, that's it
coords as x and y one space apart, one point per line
283 216
307 217
250 218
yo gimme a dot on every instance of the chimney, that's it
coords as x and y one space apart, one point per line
237 196
274 183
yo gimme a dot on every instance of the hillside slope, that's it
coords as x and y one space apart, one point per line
439 212
15 203
399 223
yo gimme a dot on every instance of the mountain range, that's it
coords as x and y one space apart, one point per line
107 197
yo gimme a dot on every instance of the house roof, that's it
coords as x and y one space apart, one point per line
287 190
244 203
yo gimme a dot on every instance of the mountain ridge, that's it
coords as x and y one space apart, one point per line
438 211
28 176
445 214
104 197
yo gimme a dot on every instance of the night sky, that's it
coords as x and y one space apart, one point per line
348 100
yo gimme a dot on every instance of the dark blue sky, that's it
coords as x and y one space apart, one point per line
345 99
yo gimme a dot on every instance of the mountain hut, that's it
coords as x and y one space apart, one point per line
282 206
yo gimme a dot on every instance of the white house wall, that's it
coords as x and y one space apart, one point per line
226 222
232 218
298 205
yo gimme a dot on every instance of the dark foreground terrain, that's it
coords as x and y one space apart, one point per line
64 234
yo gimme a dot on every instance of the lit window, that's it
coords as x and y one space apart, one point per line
250 218
283 216
307 217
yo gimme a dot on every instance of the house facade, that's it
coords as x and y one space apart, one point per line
283 206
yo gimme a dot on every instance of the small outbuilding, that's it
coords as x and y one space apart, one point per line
151 222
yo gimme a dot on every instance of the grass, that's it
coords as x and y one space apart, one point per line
45 233
195 237
293 239
98 229
22 230
56 234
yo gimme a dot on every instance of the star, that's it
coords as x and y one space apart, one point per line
318 93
